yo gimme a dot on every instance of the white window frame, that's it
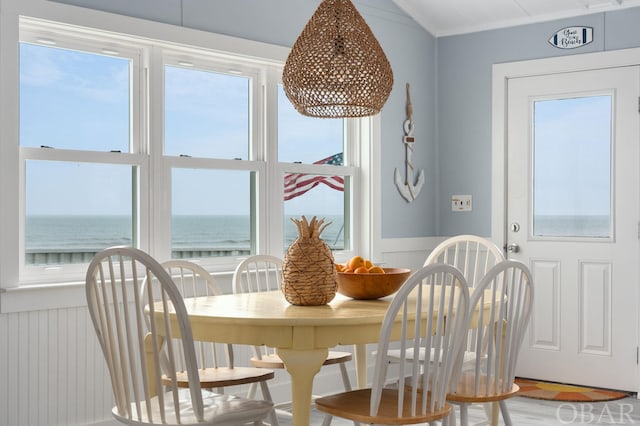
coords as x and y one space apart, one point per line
153 168
211 62
52 36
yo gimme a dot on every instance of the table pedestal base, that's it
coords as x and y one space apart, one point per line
302 366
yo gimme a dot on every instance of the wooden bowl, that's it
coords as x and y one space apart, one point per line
371 286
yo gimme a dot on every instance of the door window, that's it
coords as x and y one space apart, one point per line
572 167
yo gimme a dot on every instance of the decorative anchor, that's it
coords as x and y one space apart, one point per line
407 188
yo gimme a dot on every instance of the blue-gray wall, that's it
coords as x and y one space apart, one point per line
464 102
450 81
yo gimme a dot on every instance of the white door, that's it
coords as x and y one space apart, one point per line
572 215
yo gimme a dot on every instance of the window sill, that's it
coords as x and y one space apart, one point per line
40 297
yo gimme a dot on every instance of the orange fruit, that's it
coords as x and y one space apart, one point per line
376 270
339 267
361 270
355 262
368 264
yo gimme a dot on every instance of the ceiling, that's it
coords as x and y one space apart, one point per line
449 17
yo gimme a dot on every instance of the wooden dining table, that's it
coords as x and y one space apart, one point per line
302 335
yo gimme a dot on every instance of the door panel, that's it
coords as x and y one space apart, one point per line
545 329
573 189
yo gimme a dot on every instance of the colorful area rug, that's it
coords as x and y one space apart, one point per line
560 392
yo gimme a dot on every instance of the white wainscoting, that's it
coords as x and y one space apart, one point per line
52 369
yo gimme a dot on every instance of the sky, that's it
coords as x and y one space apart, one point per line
572 158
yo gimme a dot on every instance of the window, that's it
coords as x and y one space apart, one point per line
183 152
317 145
207 114
80 152
208 123
72 99
572 174
66 219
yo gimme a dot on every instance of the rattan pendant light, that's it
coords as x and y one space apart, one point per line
336 67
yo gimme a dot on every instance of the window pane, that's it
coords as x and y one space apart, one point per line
74 210
572 167
206 114
317 195
305 139
74 100
211 213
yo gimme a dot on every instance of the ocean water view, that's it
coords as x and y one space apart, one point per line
206 235
53 239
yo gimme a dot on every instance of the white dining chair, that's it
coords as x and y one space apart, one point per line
473 256
192 280
132 347
506 292
419 395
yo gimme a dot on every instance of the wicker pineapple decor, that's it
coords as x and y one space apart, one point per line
309 272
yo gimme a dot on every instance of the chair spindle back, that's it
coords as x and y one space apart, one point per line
440 295
132 345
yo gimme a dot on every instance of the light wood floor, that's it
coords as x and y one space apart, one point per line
532 412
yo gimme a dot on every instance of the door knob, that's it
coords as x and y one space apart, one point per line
513 248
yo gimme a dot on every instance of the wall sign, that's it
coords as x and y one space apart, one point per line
572 37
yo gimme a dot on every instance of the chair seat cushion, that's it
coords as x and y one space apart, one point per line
218 410
465 389
355 406
275 362
223 376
